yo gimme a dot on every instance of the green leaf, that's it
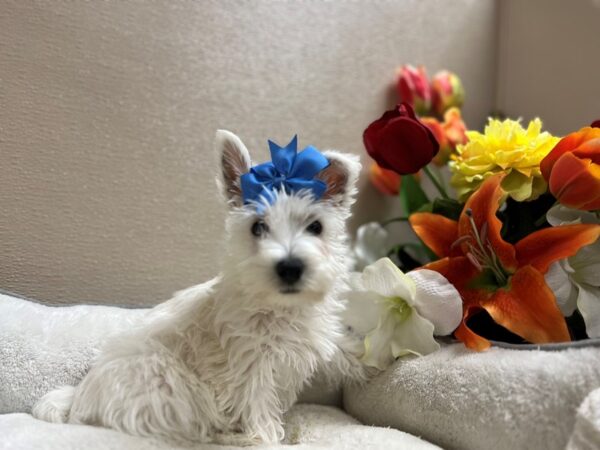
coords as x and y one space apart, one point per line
412 196
447 207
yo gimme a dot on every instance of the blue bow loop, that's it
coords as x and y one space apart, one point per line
288 171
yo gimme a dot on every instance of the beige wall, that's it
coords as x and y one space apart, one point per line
108 111
549 60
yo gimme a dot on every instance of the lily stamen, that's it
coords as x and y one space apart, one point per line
474 261
459 241
482 255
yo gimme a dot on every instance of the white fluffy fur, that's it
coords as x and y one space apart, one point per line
222 361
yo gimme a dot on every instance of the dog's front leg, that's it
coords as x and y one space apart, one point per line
345 365
254 404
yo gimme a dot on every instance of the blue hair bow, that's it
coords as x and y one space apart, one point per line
288 171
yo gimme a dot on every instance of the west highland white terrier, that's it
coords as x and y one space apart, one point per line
222 361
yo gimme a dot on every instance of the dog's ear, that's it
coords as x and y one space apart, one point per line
341 176
235 161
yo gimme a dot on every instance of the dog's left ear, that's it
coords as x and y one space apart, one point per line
235 161
340 176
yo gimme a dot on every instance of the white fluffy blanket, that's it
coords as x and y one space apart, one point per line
500 399
307 427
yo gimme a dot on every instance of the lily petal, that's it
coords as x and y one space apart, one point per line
564 291
585 265
378 351
589 307
528 309
414 335
459 271
384 278
562 215
436 231
437 300
467 336
484 203
542 248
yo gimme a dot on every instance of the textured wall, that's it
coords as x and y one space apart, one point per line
108 112
549 63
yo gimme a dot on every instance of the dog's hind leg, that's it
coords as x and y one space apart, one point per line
150 394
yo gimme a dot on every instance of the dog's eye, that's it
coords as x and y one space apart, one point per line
259 228
315 228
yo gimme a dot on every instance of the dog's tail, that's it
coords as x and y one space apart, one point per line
55 405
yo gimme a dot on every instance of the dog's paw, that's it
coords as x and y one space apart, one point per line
55 405
236 439
371 372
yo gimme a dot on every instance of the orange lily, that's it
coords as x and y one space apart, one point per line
491 274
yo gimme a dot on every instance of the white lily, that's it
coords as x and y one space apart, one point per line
561 215
398 314
370 244
575 281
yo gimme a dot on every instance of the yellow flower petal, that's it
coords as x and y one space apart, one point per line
504 147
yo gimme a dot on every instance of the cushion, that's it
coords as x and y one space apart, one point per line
459 399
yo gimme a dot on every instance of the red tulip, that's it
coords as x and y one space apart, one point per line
398 141
572 169
413 88
595 124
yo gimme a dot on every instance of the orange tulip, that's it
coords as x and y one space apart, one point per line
449 133
491 274
385 181
454 128
438 131
572 169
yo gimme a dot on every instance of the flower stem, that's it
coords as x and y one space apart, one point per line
435 182
385 223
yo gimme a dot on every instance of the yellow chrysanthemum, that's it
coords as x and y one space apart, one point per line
505 146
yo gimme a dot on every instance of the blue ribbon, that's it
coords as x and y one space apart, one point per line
288 171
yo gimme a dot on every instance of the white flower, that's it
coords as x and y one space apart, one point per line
398 314
575 281
370 244
561 215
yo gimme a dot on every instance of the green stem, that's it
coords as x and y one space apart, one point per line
435 182
385 223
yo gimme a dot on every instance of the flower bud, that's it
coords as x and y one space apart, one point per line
446 91
413 88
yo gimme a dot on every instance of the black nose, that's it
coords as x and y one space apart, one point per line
289 270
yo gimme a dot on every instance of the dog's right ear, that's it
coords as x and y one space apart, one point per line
235 161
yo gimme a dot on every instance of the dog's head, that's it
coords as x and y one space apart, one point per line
293 248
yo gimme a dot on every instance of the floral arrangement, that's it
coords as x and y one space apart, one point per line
511 254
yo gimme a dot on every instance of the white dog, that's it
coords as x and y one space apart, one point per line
222 361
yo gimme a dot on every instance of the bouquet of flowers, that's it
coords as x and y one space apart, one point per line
510 256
